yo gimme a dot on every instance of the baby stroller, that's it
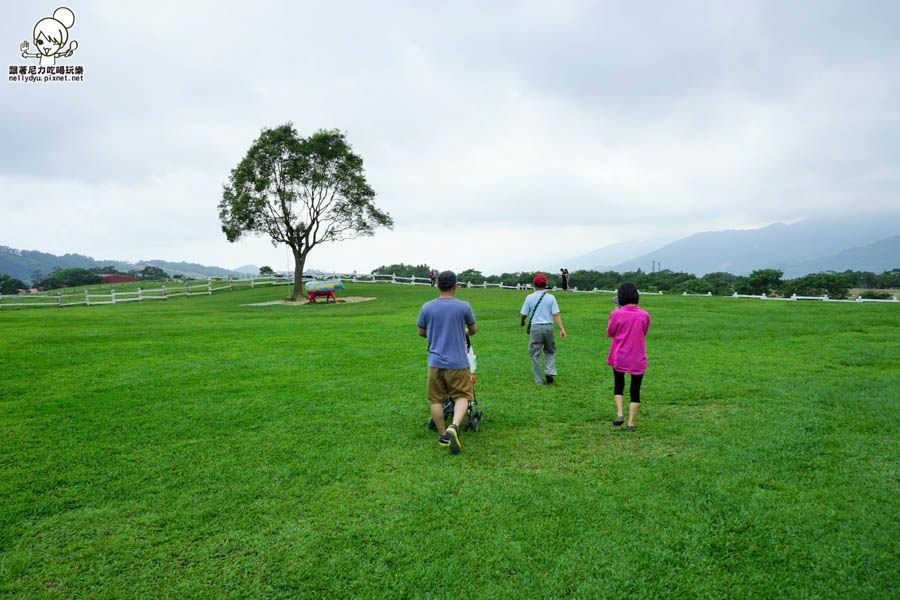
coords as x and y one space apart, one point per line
474 416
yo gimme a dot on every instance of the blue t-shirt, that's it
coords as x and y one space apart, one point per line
545 310
445 321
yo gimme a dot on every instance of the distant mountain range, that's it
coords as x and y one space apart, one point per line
878 257
607 256
248 270
21 264
858 243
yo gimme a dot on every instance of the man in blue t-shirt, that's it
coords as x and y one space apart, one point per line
445 321
542 310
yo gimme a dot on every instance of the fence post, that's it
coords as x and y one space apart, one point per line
59 300
165 296
87 298
251 282
140 295
209 287
187 291
112 294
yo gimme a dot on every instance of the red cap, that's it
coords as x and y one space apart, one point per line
540 279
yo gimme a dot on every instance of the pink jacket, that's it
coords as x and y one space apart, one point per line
627 327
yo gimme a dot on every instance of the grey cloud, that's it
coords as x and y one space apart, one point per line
610 113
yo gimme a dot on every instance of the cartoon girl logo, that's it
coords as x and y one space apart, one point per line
50 35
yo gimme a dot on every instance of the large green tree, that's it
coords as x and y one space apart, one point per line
403 270
10 285
153 273
300 192
760 281
76 276
836 285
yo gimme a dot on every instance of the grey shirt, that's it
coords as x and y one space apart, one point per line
445 321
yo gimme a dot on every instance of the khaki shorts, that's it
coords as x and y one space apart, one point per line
455 382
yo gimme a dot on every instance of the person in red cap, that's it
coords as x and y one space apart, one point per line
541 310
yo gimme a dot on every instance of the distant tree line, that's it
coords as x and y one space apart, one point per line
73 277
762 281
403 270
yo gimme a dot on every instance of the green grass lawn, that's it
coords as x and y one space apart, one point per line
198 448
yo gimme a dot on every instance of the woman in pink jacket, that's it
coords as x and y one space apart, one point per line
628 325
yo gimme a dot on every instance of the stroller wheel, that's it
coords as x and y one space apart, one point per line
476 422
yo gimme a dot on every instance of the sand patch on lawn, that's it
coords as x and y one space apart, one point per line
341 300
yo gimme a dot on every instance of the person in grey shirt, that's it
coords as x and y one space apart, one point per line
445 322
542 310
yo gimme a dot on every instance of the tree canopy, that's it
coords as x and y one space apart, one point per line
403 270
300 192
151 272
61 278
10 285
768 281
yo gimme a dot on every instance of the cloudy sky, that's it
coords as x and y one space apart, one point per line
498 135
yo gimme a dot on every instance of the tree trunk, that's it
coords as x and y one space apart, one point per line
299 260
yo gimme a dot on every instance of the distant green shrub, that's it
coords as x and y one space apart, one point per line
876 295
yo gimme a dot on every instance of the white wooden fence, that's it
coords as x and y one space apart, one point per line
366 278
212 286
425 281
823 298
164 292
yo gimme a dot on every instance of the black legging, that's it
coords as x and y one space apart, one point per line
634 389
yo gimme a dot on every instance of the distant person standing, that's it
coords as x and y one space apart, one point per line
432 275
445 322
564 273
541 310
627 326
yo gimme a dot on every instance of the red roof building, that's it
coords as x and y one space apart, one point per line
115 278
